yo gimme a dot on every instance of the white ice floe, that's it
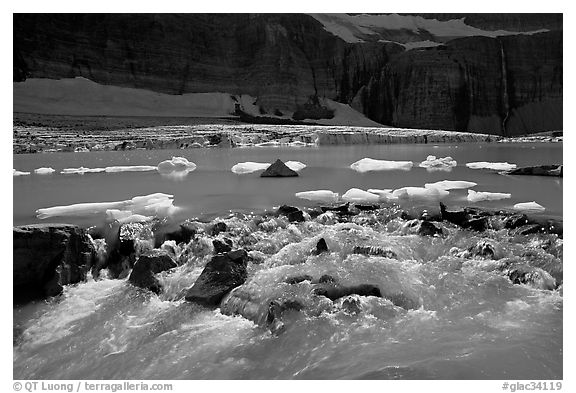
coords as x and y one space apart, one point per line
496 166
158 204
419 193
176 164
132 168
382 194
438 164
358 195
370 164
19 173
249 167
529 206
44 171
318 195
451 184
296 166
82 170
474 196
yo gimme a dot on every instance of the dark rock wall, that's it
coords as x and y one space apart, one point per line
284 60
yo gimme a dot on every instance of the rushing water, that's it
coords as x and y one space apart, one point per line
470 321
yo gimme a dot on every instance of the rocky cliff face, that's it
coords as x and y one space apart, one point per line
474 84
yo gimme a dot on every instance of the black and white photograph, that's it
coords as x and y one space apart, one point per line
287 196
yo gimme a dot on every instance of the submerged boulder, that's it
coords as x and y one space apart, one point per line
47 257
532 276
149 264
223 273
334 292
321 247
278 169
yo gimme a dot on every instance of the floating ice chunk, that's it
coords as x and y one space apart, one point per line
80 209
296 166
438 164
249 167
529 206
125 216
497 166
157 204
474 196
419 193
81 170
44 171
318 195
133 168
176 164
19 173
357 195
451 184
369 164
383 194
297 144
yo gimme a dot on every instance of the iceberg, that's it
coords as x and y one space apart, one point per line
81 170
133 168
419 193
369 164
318 195
19 173
529 206
158 204
474 196
176 164
358 195
451 184
438 164
249 167
44 171
382 194
496 166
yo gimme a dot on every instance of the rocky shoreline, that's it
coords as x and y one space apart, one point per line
232 249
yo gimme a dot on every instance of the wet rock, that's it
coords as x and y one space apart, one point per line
217 228
123 248
351 304
532 276
276 310
428 228
325 279
185 232
292 213
529 229
223 273
343 210
278 169
457 217
375 251
298 279
478 224
484 249
222 246
366 207
540 170
468 218
515 221
149 264
321 247
48 256
334 292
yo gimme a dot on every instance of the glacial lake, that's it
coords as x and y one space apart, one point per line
469 320
212 189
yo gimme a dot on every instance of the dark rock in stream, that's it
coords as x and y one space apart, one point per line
321 247
292 213
278 169
334 292
121 245
532 276
223 273
48 256
222 246
149 264
298 279
428 228
217 228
